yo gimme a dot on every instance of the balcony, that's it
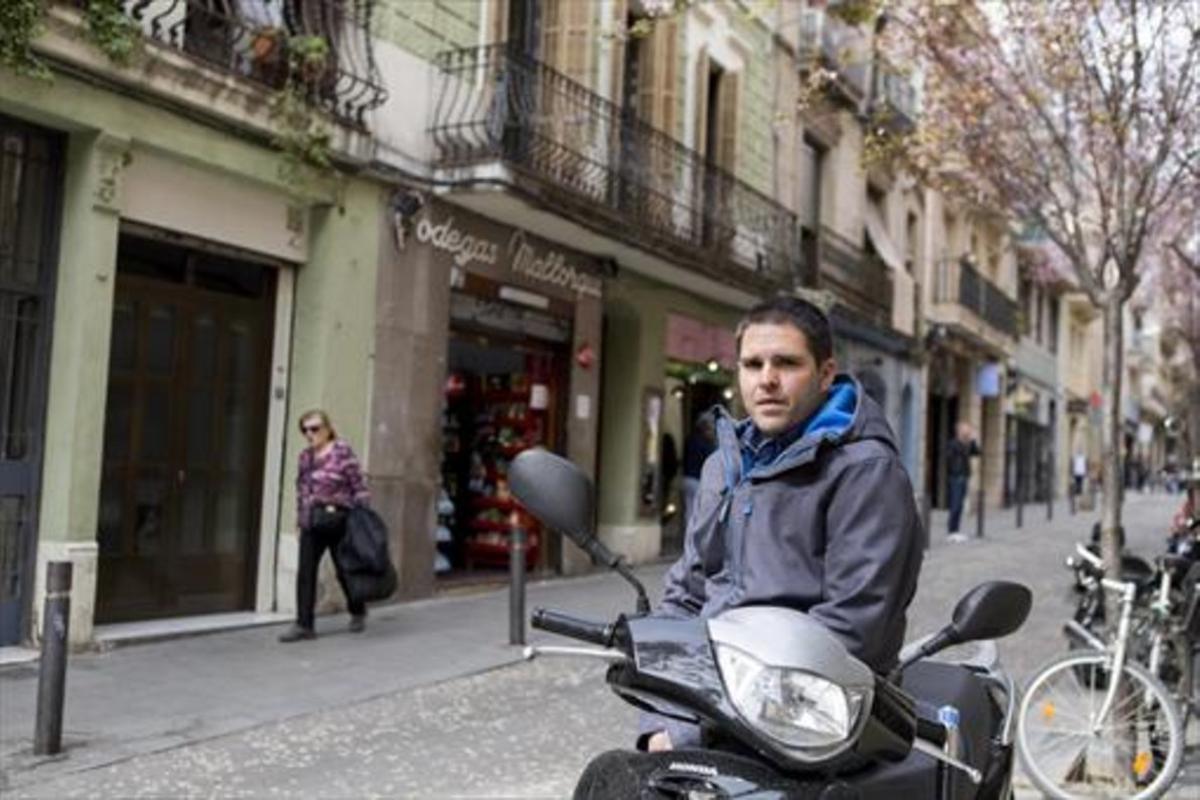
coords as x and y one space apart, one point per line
991 316
830 43
587 159
254 40
894 97
861 281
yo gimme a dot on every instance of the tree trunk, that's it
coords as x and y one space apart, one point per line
1110 434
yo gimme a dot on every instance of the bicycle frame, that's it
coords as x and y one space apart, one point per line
1119 649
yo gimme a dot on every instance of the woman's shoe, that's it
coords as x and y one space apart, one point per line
358 623
297 634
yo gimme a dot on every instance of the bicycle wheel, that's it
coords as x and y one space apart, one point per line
1136 753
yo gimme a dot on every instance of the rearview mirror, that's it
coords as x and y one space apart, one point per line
556 492
991 610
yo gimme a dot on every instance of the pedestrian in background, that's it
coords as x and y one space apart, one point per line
329 481
699 444
1079 471
958 474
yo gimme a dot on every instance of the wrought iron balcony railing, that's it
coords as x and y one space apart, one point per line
895 95
980 296
829 42
256 39
494 104
860 279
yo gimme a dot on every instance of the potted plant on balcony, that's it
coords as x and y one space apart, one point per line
265 43
308 58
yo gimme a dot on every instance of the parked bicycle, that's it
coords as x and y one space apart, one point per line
1082 733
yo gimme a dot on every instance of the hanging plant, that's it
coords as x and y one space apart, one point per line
301 133
111 30
20 24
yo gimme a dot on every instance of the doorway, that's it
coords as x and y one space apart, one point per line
184 432
30 181
506 391
940 418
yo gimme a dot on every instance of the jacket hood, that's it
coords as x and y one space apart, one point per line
848 414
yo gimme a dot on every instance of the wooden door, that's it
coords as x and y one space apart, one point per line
184 435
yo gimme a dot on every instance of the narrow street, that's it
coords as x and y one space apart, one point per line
518 731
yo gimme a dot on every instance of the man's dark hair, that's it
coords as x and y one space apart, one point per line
785 310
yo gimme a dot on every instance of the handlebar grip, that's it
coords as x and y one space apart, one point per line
565 625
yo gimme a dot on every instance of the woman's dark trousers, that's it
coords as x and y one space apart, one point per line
313 544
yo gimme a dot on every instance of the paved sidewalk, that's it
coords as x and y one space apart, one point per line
145 698
142 699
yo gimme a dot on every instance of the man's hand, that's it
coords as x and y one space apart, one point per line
658 742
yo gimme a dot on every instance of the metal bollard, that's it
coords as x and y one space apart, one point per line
1050 502
52 675
1020 504
982 509
516 586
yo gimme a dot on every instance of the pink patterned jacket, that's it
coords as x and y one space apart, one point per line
335 478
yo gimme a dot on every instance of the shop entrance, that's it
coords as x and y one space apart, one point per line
505 392
692 391
184 432
939 429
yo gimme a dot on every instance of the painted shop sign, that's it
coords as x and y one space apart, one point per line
471 242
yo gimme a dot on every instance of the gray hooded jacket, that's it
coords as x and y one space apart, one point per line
822 521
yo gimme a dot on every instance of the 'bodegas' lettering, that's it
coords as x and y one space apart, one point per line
463 246
545 266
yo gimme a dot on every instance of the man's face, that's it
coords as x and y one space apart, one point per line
780 380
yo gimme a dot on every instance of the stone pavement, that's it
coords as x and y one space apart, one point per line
236 714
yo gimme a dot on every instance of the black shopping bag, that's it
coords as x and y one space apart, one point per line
364 558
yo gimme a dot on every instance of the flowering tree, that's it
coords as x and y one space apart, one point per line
1080 117
1178 290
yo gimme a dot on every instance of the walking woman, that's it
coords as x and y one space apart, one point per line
329 481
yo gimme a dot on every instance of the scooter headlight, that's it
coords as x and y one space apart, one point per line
794 707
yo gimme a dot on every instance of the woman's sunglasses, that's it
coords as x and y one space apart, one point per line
311 428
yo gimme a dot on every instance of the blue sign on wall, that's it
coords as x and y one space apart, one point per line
987 380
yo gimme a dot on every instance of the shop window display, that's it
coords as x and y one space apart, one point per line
489 418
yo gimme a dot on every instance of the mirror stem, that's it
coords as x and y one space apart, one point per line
939 642
600 554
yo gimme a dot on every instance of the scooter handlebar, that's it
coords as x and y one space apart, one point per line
565 625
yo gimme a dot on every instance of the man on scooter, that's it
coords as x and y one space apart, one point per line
805 503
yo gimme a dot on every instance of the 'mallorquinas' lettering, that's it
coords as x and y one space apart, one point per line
549 266
552 267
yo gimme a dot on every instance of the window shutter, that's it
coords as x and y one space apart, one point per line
613 37
659 98
727 122
568 35
702 100
498 24
552 33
